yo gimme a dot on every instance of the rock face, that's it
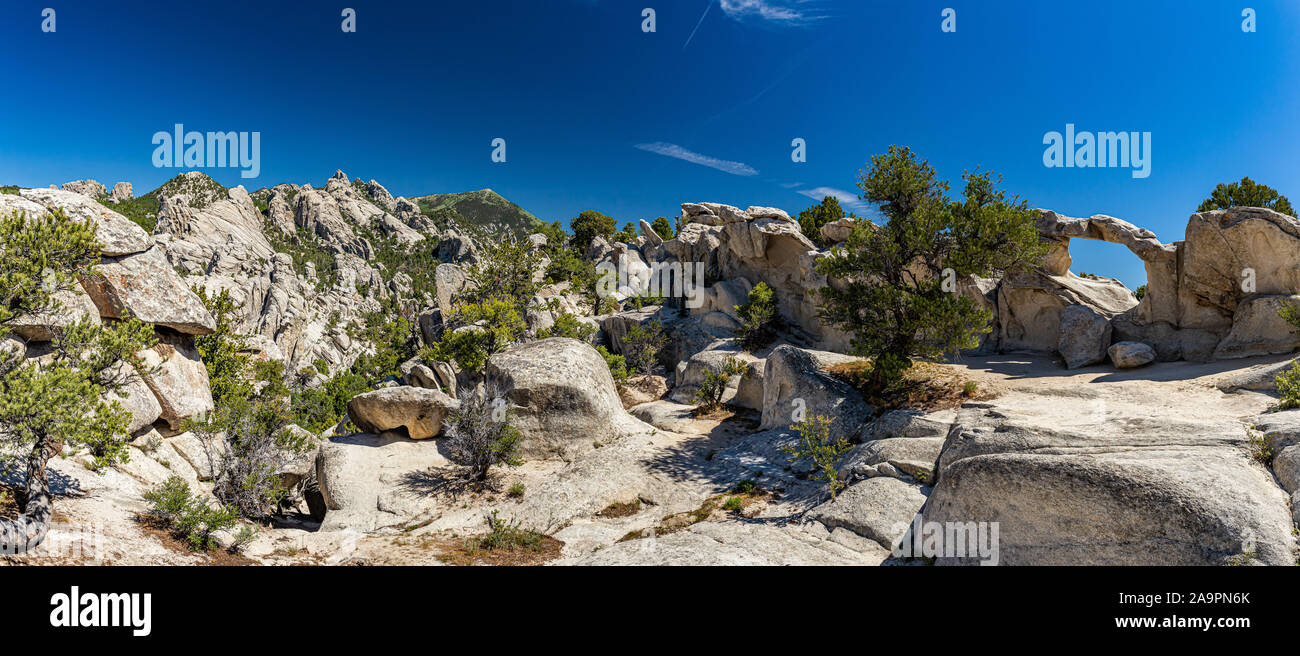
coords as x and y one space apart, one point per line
179 380
563 393
1127 355
1120 493
73 305
88 188
1211 296
371 482
690 374
794 380
420 411
1085 336
877 508
117 234
1258 329
733 243
122 192
144 286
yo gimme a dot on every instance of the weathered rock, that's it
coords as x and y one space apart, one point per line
690 373
371 482
913 456
651 236
89 188
144 286
878 508
1084 338
73 305
839 230
794 379
1258 329
1127 355
1260 377
419 410
177 377
301 464
563 393
117 234
742 543
450 280
906 423
759 212
1029 307
1154 492
122 192
137 399
642 389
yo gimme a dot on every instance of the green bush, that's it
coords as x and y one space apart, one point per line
496 324
812 219
709 396
617 365
815 444
642 344
1246 193
504 535
663 228
481 433
567 325
188 515
588 225
759 319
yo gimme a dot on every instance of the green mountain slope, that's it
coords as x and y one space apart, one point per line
481 213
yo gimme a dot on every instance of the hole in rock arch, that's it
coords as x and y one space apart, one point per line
1101 258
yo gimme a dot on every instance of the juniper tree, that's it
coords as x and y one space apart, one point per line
1246 193
59 402
898 297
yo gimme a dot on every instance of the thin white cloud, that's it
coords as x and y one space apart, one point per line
673 150
847 199
784 12
791 185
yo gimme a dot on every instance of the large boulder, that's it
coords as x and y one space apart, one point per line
145 286
690 374
1258 329
370 482
878 508
73 304
117 234
177 377
1127 355
1029 307
122 192
420 411
90 188
1084 338
450 280
563 394
1159 490
906 456
137 399
795 380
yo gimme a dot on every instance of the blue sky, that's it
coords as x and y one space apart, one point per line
415 97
